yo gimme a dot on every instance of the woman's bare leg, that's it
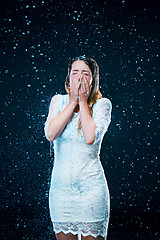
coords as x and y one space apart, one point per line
93 238
68 236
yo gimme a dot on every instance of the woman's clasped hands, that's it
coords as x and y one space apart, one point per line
80 87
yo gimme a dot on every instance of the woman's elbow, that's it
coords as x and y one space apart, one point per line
91 138
90 141
50 137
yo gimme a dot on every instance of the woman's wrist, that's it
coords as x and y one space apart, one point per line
73 101
83 103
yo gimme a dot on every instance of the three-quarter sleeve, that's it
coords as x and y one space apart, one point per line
54 110
102 117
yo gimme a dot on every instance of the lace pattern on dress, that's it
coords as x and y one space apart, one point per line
91 228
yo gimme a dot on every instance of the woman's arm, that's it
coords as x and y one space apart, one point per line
93 127
101 117
88 125
58 123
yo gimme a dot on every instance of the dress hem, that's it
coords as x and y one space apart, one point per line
80 232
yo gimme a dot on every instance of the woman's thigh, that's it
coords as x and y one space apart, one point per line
93 238
68 236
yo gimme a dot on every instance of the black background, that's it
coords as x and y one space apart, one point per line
38 39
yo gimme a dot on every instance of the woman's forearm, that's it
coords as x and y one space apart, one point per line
58 123
88 125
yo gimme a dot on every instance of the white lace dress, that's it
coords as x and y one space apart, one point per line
79 200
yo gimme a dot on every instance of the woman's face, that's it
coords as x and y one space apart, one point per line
81 70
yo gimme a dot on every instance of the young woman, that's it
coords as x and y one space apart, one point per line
79 198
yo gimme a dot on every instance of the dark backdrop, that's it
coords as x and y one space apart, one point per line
38 38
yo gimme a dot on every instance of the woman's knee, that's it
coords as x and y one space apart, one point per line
68 236
93 238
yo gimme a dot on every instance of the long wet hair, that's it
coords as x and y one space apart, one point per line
95 93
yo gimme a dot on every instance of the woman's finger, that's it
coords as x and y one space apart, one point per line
86 83
82 84
87 87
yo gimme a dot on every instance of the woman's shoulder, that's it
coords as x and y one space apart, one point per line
59 99
103 102
59 96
